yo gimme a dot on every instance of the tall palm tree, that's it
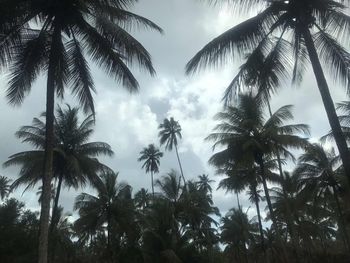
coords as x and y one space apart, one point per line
169 134
4 187
49 36
320 174
250 138
75 160
111 209
282 32
151 156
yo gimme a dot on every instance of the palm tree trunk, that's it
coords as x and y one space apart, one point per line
272 213
46 188
109 226
341 219
54 219
238 203
256 199
55 205
152 183
178 159
328 102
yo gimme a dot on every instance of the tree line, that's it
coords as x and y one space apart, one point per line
307 207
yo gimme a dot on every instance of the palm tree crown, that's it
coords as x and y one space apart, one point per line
4 187
170 132
75 157
285 31
151 156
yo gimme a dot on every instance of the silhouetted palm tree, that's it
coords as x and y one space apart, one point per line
55 46
111 208
151 156
75 160
238 233
319 176
317 30
250 138
4 187
169 134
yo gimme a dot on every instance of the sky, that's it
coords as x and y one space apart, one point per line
129 122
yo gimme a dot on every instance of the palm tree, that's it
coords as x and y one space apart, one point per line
4 187
320 174
170 186
112 207
169 134
282 32
204 183
238 232
75 158
142 199
151 156
55 46
249 138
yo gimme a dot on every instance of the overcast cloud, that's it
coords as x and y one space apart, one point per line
129 122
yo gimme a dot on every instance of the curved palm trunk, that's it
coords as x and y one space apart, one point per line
256 199
178 159
272 213
46 188
152 183
328 102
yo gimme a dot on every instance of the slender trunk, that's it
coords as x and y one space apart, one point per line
239 205
46 188
109 226
341 223
178 159
328 102
256 199
152 184
272 213
54 219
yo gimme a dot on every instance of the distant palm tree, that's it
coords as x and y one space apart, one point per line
170 186
142 199
151 156
282 32
40 36
75 160
110 208
169 134
204 183
4 187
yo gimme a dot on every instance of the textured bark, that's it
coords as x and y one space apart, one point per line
328 102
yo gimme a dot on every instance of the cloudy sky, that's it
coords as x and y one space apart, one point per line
129 122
